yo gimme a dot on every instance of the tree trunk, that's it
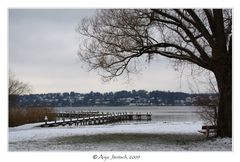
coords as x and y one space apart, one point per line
223 75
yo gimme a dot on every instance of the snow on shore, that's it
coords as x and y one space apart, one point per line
29 137
32 132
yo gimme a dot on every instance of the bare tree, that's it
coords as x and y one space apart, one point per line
118 41
16 88
208 111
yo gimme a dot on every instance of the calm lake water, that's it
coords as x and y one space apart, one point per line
159 113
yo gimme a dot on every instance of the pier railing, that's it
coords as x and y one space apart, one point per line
93 118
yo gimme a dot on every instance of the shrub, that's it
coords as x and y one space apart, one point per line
20 116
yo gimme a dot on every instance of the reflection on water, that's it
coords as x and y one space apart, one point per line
159 113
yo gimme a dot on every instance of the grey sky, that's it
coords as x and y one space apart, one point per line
43 48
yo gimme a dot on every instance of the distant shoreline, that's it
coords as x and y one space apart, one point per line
120 98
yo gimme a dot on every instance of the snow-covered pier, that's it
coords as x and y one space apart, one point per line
94 118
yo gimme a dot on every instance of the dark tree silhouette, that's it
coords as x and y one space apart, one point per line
117 41
16 88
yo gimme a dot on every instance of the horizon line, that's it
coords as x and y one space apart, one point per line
120 91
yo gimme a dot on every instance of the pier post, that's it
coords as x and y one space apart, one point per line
89 120
95 120
83 122
114 117
99 120
46 120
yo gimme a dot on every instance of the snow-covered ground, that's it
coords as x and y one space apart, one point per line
144 136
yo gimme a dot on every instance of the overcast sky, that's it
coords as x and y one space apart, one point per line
43 48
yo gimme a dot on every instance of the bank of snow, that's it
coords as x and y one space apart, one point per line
32 132
174 136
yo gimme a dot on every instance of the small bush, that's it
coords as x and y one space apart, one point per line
20 116
209 115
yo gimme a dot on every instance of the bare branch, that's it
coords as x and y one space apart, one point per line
115 37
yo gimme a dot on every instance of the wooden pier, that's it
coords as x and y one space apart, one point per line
93 118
